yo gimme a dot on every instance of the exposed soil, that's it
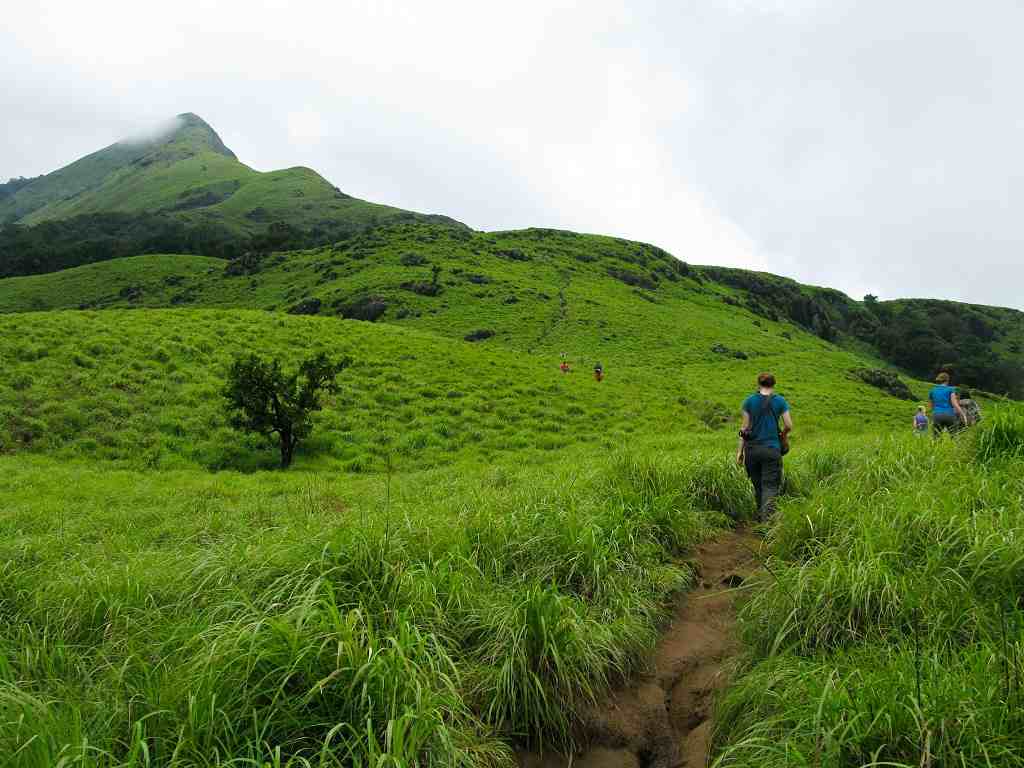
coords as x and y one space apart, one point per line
661 719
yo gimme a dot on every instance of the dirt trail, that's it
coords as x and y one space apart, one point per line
560 313
661 719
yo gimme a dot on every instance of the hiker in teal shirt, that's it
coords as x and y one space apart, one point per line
947 415
761 444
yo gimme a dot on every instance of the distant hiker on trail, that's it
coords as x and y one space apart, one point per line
947 415
920 421
970 407
762 445
598 372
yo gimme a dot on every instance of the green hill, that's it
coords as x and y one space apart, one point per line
472 320
182 189
544 290
188 171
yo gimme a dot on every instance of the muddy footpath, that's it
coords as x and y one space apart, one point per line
662 718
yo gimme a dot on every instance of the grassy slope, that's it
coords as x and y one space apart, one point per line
656 345
173 174
559 298
494 596
537 290
167 607
99 284
157 612
142 388
211 618
535 528
81 175
65 188
165 591
891 630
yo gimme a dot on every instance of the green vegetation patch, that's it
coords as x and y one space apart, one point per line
211 619
889 629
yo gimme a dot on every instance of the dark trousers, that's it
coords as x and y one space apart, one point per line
764 468
945 422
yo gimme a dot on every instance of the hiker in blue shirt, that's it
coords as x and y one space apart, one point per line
762 445
947 415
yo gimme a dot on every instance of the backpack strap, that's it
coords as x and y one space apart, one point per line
766 402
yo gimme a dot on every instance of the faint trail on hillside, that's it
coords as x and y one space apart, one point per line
662 719
560 314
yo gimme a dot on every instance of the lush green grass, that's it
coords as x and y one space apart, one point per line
889 629
157 613
142 387
328 614
102 285
208 620
167 599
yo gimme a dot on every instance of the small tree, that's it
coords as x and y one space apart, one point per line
261 398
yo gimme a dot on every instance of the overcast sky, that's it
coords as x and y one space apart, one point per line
869 146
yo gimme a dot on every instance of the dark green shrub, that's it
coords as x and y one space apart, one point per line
413 260
367 308
306 307
513 254
629 277
248 263
887 381
264 400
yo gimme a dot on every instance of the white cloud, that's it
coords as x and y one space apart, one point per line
307 127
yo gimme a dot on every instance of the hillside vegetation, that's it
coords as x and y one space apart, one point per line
321 618
981 346
182 190
205 617
186 170
142 388
554 291
889 628
515 565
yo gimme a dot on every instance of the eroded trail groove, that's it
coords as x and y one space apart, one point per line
661 719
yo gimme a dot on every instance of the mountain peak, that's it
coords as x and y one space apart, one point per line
187 133
190 127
